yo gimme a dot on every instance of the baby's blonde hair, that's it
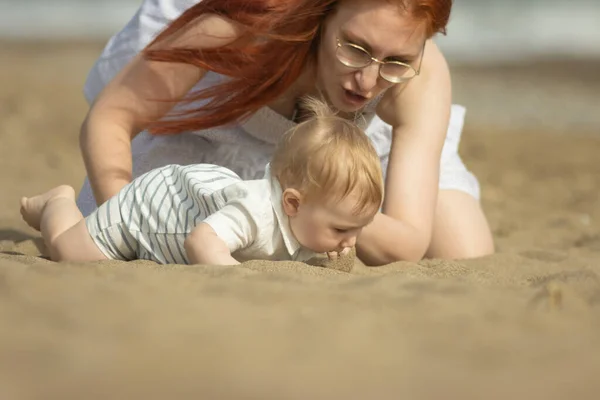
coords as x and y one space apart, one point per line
328 158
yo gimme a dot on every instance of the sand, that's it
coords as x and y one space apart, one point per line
523 323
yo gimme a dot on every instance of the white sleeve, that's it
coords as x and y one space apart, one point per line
236 224
149 20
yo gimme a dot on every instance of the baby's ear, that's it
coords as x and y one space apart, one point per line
291 200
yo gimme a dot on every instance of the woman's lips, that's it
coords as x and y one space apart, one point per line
354 98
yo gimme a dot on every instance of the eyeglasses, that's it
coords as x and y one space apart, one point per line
354 56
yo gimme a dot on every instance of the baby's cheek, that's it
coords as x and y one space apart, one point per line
321 239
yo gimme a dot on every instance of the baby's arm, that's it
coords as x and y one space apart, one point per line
224 232
203 246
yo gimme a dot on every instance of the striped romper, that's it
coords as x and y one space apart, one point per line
151 217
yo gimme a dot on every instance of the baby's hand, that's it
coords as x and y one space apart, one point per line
333 255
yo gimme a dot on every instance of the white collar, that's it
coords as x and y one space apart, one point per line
291 244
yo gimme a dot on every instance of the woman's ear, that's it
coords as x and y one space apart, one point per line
291 200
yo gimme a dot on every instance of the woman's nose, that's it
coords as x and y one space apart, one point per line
367 77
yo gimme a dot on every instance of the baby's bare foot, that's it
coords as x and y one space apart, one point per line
33 207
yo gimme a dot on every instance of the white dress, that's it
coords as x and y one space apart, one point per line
246 148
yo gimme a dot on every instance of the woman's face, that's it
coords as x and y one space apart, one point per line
379 27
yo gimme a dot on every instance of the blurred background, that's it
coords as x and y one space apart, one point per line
481 31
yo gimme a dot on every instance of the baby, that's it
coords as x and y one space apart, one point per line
323 185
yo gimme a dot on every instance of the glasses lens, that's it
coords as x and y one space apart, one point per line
352 56
397 72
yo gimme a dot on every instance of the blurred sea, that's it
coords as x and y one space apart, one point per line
481 31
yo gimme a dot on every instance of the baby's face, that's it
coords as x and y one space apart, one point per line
324 227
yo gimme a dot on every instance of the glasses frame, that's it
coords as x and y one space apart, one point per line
417 71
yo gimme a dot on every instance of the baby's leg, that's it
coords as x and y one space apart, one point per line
56 216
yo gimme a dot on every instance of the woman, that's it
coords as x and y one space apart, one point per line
374 61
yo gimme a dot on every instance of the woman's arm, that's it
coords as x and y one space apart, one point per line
127 105
419 113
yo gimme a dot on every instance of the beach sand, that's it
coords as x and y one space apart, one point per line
521 324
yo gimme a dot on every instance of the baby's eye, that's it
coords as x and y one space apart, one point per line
340 230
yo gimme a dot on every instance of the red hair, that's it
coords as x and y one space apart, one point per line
280 38
434 13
